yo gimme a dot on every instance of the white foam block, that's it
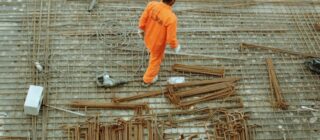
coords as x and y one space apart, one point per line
33 100
176 80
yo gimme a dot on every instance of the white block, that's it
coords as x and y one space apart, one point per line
176 80
33 100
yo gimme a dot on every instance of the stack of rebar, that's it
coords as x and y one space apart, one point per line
198 69
134 129
185 98
203 90
230 126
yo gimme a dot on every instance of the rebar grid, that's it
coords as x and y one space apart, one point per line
79 45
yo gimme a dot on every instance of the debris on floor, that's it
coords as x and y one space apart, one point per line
107 81
3 114
33 100
313 65
93 4
308 108
38 66
176 80
65 110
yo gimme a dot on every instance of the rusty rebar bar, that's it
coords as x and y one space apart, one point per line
135 128
275 87
92 104
250 46
212 96
198 69
230 126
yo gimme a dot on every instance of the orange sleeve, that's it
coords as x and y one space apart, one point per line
172 34
144 17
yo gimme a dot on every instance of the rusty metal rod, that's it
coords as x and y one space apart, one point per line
203 89
212 96
92 104
198 69
206 82
139 96
250 46
14 138
274 86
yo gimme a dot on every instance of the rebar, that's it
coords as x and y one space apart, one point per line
209 30
179 85
230 126
274 86
92 104
134 128
198 69
246 45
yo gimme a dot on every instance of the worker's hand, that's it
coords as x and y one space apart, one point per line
141 33
176 50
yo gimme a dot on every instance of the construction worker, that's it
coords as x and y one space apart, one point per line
158 27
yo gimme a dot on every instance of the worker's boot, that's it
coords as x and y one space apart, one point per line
155 79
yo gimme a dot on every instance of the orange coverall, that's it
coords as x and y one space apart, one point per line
159 24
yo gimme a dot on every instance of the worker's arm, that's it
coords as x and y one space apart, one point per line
144 17
172 35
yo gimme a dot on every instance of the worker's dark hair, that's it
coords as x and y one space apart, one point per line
169 2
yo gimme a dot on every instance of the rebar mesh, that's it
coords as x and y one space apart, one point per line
75 46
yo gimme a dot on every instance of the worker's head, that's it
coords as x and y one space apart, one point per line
169 2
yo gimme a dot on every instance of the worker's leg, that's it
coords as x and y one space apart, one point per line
153 69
